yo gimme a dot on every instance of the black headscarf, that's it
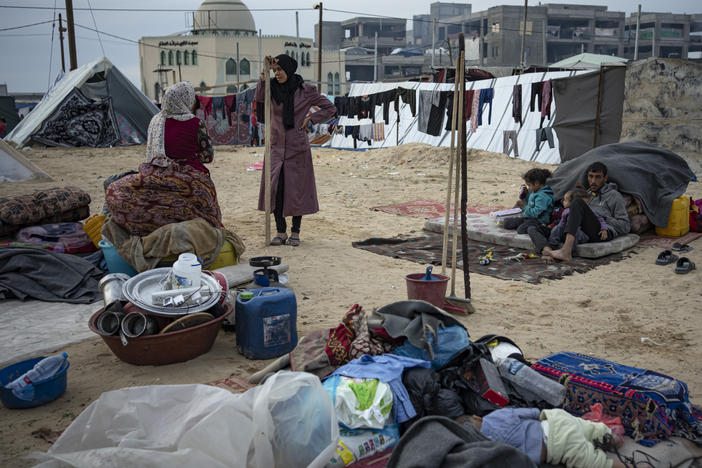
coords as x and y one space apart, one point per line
285 93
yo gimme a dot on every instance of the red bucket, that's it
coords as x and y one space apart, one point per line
433 291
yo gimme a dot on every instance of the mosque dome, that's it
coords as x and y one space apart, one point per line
223 15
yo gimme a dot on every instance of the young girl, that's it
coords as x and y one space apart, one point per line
555 240
536 209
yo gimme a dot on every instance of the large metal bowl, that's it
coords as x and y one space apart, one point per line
138 291
168 348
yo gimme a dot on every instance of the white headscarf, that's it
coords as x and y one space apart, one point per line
177 104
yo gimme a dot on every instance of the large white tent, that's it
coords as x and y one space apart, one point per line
488 136
94 80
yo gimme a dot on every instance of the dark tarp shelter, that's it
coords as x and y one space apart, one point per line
9 112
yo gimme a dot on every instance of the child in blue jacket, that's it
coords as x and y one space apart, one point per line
536 209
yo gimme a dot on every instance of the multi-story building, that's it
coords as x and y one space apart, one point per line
206 55
438 11
664 35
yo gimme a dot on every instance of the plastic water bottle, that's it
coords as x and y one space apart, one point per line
22 387
526 378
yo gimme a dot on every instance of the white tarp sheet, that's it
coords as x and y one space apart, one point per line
488 136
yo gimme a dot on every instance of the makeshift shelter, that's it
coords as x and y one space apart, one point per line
653 175
492 134
587 61
93 105
14 167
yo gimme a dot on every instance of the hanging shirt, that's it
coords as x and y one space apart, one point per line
546 100
485 98
409 96
205 105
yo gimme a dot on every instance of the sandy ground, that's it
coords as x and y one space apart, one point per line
603 312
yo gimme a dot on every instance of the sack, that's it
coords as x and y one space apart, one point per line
695 215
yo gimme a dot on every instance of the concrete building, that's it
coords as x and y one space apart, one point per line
438 11
206 55
665 35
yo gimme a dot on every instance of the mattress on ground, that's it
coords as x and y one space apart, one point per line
482 227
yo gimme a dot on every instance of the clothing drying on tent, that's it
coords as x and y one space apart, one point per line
173 185
93 105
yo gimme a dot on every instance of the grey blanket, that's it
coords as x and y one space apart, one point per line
653 175
27 272
413 320
439 442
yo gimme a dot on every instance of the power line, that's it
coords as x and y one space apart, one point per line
96 29
27 25
161 10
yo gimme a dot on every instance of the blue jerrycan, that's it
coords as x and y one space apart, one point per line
266 322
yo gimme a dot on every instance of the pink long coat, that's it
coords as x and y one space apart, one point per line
292 149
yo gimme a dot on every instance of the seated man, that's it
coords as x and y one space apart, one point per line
606 201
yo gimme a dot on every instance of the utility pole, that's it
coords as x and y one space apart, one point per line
482 40
319 51
297 38
340 76
71 34
522 54
375 58
636 39
260 56
653 41
63 58
238 84
433 39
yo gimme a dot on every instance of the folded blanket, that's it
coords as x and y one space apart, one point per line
47 276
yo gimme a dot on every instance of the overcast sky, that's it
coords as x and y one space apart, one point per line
29 60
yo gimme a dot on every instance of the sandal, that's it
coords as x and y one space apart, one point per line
678 247
280 240
684 265
666 258
294 241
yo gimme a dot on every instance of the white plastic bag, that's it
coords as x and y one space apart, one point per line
360 403
288 421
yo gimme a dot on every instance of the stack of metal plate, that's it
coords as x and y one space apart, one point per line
139 289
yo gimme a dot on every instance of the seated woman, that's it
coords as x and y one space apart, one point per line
172 185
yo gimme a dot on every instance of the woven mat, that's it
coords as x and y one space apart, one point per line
650 239
233 384
425 249
423 208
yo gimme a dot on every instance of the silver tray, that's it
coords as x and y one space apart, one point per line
138 291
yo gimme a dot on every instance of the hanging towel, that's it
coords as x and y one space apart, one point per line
424 110
365 132
205 105
546 100
468 103
379 131
474 112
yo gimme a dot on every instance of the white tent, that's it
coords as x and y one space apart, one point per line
589 61
97 79
488 136
14 167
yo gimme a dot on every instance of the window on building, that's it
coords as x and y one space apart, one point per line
157 92
186 57
232 90
194 57
163 57
308 59
230 67
245 67
170 57
495 27
337 84
179 58
330 83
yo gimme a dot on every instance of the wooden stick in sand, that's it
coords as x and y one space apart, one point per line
267 153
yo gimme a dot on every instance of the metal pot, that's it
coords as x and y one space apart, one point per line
111 288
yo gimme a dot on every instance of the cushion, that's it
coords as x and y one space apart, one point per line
482 228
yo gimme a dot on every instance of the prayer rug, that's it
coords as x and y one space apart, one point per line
423 208
425 248
233 384
79 121
651 239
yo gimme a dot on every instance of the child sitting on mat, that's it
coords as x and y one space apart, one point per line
557 236
553 436
536 209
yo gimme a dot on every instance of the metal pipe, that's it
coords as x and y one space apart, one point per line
523 52
136 324
297 37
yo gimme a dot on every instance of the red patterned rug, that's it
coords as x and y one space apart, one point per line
423 208
650 239
233 384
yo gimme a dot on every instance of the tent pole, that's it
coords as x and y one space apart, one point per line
63 57
71 34
267 153
452 157
599 107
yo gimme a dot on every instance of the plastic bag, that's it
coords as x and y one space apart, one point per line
360 403
357 444
597 414
288 421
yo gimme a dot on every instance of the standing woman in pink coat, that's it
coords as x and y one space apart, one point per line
293 190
